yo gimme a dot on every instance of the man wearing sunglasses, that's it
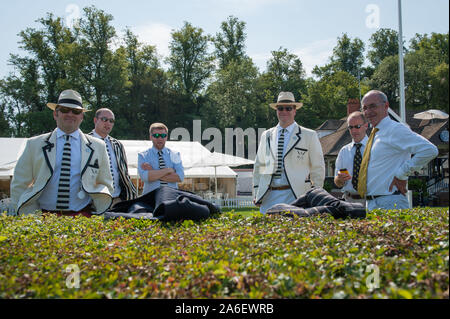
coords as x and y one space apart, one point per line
289 159
350 157
64 171
124 188
159 165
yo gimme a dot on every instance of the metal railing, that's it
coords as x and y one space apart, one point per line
437 186
233 202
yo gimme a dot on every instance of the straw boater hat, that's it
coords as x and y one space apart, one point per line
286 98
69 98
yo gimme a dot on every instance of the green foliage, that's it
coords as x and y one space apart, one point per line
236 255
190 63
230 42
383 43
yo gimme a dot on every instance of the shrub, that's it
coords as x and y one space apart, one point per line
390 254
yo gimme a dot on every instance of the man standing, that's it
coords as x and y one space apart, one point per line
350 157
159 165
387 160
123 186
289 158
63 171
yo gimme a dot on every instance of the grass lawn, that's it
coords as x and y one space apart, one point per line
238 254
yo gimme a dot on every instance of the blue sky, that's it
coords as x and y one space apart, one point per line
308 29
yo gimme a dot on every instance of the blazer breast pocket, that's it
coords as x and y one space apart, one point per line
300 153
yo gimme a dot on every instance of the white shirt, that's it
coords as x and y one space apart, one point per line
47 200
345 160
287 135
115 169
390 156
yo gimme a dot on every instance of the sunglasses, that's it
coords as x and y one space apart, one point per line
105 119
354 126
287 108
66 110
157 135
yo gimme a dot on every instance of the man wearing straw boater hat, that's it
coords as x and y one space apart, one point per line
289 159
65 172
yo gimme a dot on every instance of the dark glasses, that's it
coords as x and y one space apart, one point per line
287 108
66 110
156 135
105 119
354 126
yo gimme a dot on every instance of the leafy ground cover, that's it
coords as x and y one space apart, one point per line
390 254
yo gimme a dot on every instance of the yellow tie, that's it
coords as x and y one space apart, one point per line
362 178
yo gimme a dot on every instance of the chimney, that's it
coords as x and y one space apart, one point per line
352 106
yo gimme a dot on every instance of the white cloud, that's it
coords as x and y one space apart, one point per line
156 34
315 53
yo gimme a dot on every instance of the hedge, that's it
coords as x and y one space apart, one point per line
390 254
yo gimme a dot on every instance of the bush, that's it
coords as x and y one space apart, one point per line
390 254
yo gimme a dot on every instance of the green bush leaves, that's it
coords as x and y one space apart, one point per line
390 254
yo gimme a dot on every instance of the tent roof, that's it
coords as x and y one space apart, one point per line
191 153
11 150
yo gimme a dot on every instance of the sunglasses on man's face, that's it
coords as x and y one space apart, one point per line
105 119
355 126
157 135
66 110
287 108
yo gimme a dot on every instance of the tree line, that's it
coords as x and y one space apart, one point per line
221 86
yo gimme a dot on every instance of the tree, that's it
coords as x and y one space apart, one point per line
144 96
425 72
383 43
190 63
234 95
38 78
348 56
328 97
230 42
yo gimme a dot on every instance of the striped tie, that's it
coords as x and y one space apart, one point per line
62 200
110 160
162 164
356 165
362 180
280 154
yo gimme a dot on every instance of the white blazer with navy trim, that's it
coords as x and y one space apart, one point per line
35 167
303 161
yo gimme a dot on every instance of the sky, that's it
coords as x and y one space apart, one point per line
306 28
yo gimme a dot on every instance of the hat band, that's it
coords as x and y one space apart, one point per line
70 101
286 101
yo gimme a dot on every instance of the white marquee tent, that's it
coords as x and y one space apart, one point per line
193 156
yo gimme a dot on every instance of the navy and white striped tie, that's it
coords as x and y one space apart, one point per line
63 196
280 154
162 165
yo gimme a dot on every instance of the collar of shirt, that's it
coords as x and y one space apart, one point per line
155 150
363 142
75 134
95 134
384 123
289 129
